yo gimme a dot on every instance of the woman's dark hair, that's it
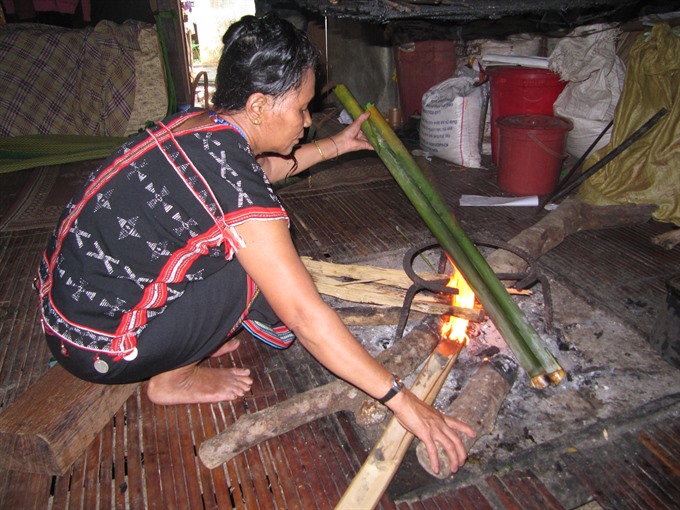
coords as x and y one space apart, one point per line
261 54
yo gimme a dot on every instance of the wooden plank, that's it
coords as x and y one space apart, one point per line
506 497
91 483
177 460
449 500
185 434
210 481
220 476
19 295
120 484
52 423
149 448
536 486
663 477
208 494
602 478
61 491
473 499
137 484
663 445
76 483
26 491
106 466
178 62
635 485
527 490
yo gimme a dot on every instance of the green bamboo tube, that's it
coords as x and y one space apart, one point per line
509 319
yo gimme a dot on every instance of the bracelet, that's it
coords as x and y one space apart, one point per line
316 144
397 386
337 151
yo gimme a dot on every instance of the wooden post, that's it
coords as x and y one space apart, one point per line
54 421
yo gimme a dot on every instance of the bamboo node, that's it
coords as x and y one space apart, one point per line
558 376
539 381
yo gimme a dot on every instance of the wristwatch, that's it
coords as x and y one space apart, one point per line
397 385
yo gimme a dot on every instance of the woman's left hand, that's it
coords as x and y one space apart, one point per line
352 138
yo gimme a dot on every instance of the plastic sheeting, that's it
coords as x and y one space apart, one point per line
648 172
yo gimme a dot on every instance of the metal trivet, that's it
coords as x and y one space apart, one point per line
522 280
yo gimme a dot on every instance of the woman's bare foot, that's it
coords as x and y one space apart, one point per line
228 346
198 385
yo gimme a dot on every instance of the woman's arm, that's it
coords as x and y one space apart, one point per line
272 261
348 140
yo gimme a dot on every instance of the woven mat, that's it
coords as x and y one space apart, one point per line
44 194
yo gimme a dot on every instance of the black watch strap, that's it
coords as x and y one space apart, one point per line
397 385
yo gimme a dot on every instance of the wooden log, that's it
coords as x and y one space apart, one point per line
54 421
249 430
477 405
570 217
371 482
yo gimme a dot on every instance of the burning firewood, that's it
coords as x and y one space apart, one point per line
382 463
477 405
249 430
510 321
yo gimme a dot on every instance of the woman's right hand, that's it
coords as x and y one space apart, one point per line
432 427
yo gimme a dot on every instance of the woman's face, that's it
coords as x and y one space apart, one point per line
284 122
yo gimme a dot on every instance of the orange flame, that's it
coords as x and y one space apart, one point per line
455 328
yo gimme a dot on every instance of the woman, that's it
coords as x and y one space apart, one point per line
178 240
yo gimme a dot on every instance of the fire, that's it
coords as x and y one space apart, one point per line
455 328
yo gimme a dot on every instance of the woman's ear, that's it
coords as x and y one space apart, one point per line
256 107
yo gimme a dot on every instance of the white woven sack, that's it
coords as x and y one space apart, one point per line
449 121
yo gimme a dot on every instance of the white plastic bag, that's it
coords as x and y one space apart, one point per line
449 121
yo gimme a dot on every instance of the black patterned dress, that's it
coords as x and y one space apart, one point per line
140 275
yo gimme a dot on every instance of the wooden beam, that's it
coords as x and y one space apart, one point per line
54 421
570 217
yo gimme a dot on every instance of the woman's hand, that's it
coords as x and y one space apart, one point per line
430 426
352 138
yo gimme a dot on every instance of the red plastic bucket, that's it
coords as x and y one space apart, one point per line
531 152
520 90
